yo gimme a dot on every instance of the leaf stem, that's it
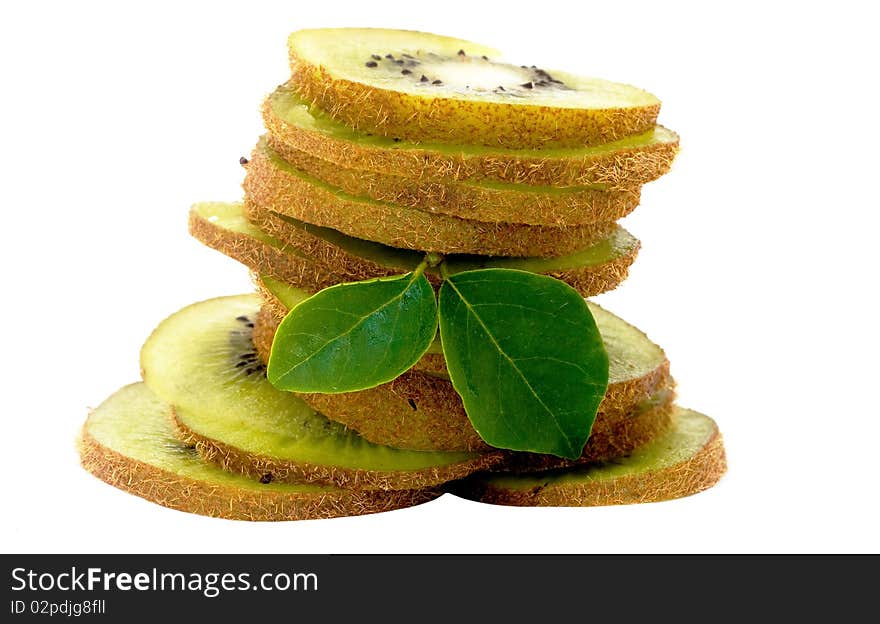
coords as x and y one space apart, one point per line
444 269
424 264
434 258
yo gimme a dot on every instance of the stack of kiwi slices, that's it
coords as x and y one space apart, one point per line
423 222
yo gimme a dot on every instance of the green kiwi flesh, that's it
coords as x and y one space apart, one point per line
201 360
688 458
129 442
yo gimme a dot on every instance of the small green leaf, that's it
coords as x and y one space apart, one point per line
354 336
524 353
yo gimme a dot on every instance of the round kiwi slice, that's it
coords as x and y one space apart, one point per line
129 442
274 185
591 270
201 360
314 258
223 226
421 410
420 86
479 201
623 164
688 458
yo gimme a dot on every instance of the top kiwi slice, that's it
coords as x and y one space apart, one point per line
623 164
420 86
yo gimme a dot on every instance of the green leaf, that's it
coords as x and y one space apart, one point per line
354 336
524 353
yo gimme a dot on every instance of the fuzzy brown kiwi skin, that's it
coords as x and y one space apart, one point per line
694 475
433 364
618 169
265 259
396 114
613 435
424 412
288 471
587 280
269 188
220 501
470 201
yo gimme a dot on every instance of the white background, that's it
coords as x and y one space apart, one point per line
757 275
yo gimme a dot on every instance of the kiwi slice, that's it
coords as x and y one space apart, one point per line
592 270
129 442
420 86
479 201
623 164
223 226
315 258
201 360
688 458
274 185
422 410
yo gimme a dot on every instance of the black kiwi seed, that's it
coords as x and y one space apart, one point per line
398 62
412 403
389 56
527 85
424 78
242 318
500 88
436 82
248 324
461 53
405 72
371 64
243 161
240 364
485 58
375 57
